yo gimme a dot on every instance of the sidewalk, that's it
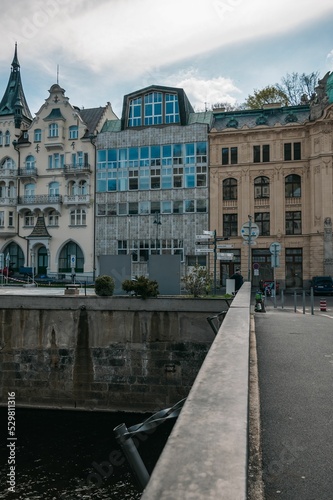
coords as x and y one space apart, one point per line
295 363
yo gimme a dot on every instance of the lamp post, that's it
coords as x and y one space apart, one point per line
158 222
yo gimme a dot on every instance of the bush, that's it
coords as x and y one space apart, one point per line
141 286
104 286
198 282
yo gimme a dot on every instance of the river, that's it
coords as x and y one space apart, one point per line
69 455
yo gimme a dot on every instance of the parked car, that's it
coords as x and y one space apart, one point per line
322 285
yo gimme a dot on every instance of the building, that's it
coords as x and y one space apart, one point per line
48 182
273 167
152 179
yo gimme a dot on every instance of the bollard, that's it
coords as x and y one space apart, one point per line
323 305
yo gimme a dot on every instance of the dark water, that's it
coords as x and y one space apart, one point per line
71 455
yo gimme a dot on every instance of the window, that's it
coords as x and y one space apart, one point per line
263 221
8 163
73 132
29 191
153 108
144 207
201 206
78 217
53 130
82 188
135 111
66 253
171 108
166 207
29 219
53 218
293 223
122 247
261 187
196 260
10 219
230 225
7 138
229 189
189 206
178 207
54 189
37 135
261 153
2 218
229 156
293 186
292 151
133 208
30 162
56 161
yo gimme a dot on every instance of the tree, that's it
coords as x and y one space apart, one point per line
268 95
141 286
299 88
198 282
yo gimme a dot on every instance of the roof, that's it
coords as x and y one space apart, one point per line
55 115
205 117
14 96
261 117
92 118
40 231
112 126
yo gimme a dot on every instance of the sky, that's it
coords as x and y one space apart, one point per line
216 50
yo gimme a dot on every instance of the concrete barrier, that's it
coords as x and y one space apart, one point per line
206 456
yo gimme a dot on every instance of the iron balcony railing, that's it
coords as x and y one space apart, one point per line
27 172
39 199
76 168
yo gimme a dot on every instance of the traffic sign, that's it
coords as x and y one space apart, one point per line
201 237
210 233
275 247
245 230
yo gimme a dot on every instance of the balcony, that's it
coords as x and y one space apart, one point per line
8 172
27 172
77 199
40 202
8 201
74 169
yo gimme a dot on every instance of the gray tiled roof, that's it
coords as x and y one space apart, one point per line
91 118
40 231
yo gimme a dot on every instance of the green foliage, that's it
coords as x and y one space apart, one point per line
268 95
198 282
104 286
141 286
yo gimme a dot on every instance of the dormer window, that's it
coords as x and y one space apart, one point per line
153 108
53 130
135 111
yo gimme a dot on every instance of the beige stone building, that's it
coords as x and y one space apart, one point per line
273 167
47 181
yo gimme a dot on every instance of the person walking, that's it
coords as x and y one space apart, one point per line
239 280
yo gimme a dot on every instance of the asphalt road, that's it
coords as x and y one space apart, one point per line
295 363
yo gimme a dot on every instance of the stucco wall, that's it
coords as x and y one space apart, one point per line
115 354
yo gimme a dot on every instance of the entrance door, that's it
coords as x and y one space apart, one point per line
42 261
294 268
263 259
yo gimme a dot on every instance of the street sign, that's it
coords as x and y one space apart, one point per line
226 246
275 247
201 237
204 250
73 260
202 243
245 230
275 260
210 233
225 256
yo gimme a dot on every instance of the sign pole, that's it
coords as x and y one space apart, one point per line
249 255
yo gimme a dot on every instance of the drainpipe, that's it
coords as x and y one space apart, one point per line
92 138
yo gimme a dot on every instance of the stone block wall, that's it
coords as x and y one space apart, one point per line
95 354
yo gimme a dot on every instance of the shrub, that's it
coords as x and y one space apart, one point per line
141 286
104 286
198 282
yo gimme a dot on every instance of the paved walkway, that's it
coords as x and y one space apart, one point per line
295 363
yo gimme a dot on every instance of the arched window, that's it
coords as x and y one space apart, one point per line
29 219
7 138
53 218
261 187
293 186
53 130
83 187
29 191
54 189
70 249
2 190
16 256
8 163
30 162
230 189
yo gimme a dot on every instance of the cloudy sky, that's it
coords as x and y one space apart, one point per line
217 50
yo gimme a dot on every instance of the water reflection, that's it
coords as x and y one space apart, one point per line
74 455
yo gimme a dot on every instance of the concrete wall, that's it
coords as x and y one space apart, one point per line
206 456
105 353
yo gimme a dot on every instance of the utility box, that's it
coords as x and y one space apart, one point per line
230 286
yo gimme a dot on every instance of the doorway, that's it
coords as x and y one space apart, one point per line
42 261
